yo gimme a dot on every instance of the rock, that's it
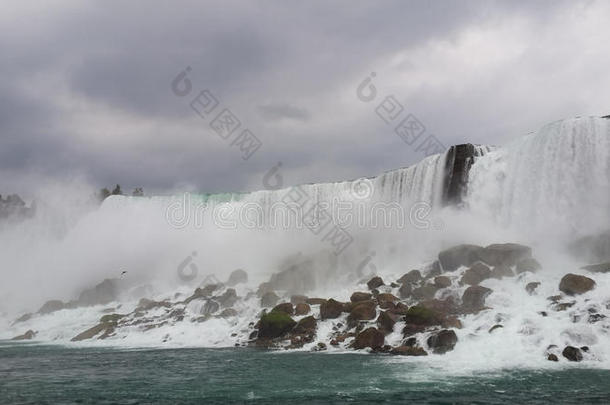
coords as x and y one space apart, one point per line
306 325
29 335
495 327
425 292
501 271
433 270
473 299
411 277
594 318
572 353
228 298
405 290
422 316
442 342
385 299
442 282
531 287
315 301
528 264
146 305
552 357
24 318
204 292
111 318
51 306
505 254
363 311
269 299
228 313
105 292
478 272
298 299
598 268
275 324
445 307
91 332
462 255
386 321
263 289
321 346
584 349
370 337
374 283
562 306
210 307
399 309
302 309
410 342
573 284
285 307
238 276
331 309
360 296
408 351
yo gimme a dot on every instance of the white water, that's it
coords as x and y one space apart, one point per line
538 190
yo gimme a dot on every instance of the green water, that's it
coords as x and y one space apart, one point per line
35 374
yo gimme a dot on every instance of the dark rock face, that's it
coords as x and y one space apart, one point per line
51 306
499 272
411 277
458 161
374 283
461 255
531 287
29 335
360 296
228 298
443 341
306 325
408 351
552 357
422 316
302 309
370 337
103 293
285 307
238 276
425 292
331 309
269 299
572 353
405 290
574 284
386 321
275 324
508 254
385 299
363 311
474 297
478 272
442 281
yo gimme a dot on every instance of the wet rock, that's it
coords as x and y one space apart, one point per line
363 311
238 276
360 296
315 301
263 289
105 292
386 321
29 335
405 290
425 292
594 318
23 318
411 277
302 309
473 299
269 299
91 332
554 299
331 309
228 298
370 337
572 353
501 271
505 254
442 342
228 313
386 299
528 264
562 306
408 351
478 272
433 270
275 324
285 307
399 309
552 357
298 299
462 255
598 268
210 307
51 306
422 316
306 325
410 342
442 282
531 287
374 283
495 327
574 284
204 292
321 346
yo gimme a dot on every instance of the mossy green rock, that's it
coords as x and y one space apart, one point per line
419 315
275 324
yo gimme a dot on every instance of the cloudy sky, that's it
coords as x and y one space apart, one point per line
86 87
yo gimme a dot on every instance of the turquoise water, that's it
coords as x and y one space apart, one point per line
33 374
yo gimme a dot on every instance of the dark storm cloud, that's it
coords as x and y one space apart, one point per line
85 87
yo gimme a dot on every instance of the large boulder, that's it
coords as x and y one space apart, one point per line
298 299
386 299
238 276
574 284
370 337
386 321
422 316
105 292
442 282
473 299
505 254
478 272
228 298
405 290
442 341
275 324
29 335
331 309
363 311
51 306
425 292
408 351
360 296
269 299
411 277
374 283
572 353
306 325
301 309
285 307
462 255
501 271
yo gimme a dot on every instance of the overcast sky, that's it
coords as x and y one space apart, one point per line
85 89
